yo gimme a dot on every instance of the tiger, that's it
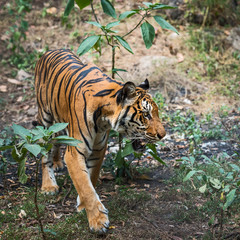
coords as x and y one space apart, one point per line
92 103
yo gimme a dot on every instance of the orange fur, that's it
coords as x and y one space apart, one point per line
92 104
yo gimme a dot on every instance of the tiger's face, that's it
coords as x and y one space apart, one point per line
140 121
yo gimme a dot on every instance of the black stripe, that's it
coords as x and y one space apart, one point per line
103 93
85 112
80 153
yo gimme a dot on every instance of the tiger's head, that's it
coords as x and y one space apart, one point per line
139 119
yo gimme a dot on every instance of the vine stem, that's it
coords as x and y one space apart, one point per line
143 17
36 201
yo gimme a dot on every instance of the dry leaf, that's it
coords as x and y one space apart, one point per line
22 214
14 81
51 10
3 88
180 57
20 99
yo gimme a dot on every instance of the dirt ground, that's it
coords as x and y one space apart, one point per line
157 216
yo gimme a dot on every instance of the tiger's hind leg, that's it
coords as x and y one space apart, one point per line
49 184
57 160
52 161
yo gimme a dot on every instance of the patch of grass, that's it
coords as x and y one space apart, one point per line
211 61
72 225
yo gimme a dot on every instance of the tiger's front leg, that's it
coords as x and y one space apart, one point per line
96 212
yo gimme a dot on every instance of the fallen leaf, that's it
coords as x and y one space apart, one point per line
112 227
144 177
3 212
57 216
107 176
147 185
180 57
10 180
22 214
14 81
51 10
20 99
3 88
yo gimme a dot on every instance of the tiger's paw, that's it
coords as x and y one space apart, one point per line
80 207
50 190
98 219
58 165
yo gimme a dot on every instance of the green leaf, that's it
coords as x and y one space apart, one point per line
108 8
67 140
123 43
230 198
126 14
203 188
83 3
235 167
128 149
189 175
148 4
87 44
21 131
118 70
69 7
50 231
21 171
164 24
33 149
97 46
119 160
112 24
156 157
95 24
2 148
215 183
19 156
162 6
57 127
148 34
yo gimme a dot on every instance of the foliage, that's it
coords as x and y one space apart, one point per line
122 164
218 178
114 40
221 11
219 65
20 58
34 142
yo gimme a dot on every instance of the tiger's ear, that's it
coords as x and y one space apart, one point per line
144 85
128 93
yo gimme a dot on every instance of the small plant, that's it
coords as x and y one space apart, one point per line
17 35
218 178
110 37
34 144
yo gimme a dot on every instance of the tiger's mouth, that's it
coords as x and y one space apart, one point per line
139 145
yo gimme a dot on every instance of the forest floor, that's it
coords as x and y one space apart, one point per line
185 79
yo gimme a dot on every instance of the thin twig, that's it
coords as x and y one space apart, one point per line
68 193
36 201
94 14
143 17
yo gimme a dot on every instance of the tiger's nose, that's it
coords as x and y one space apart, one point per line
161 134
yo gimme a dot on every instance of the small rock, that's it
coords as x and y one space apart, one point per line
22 75
187 101
32 111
